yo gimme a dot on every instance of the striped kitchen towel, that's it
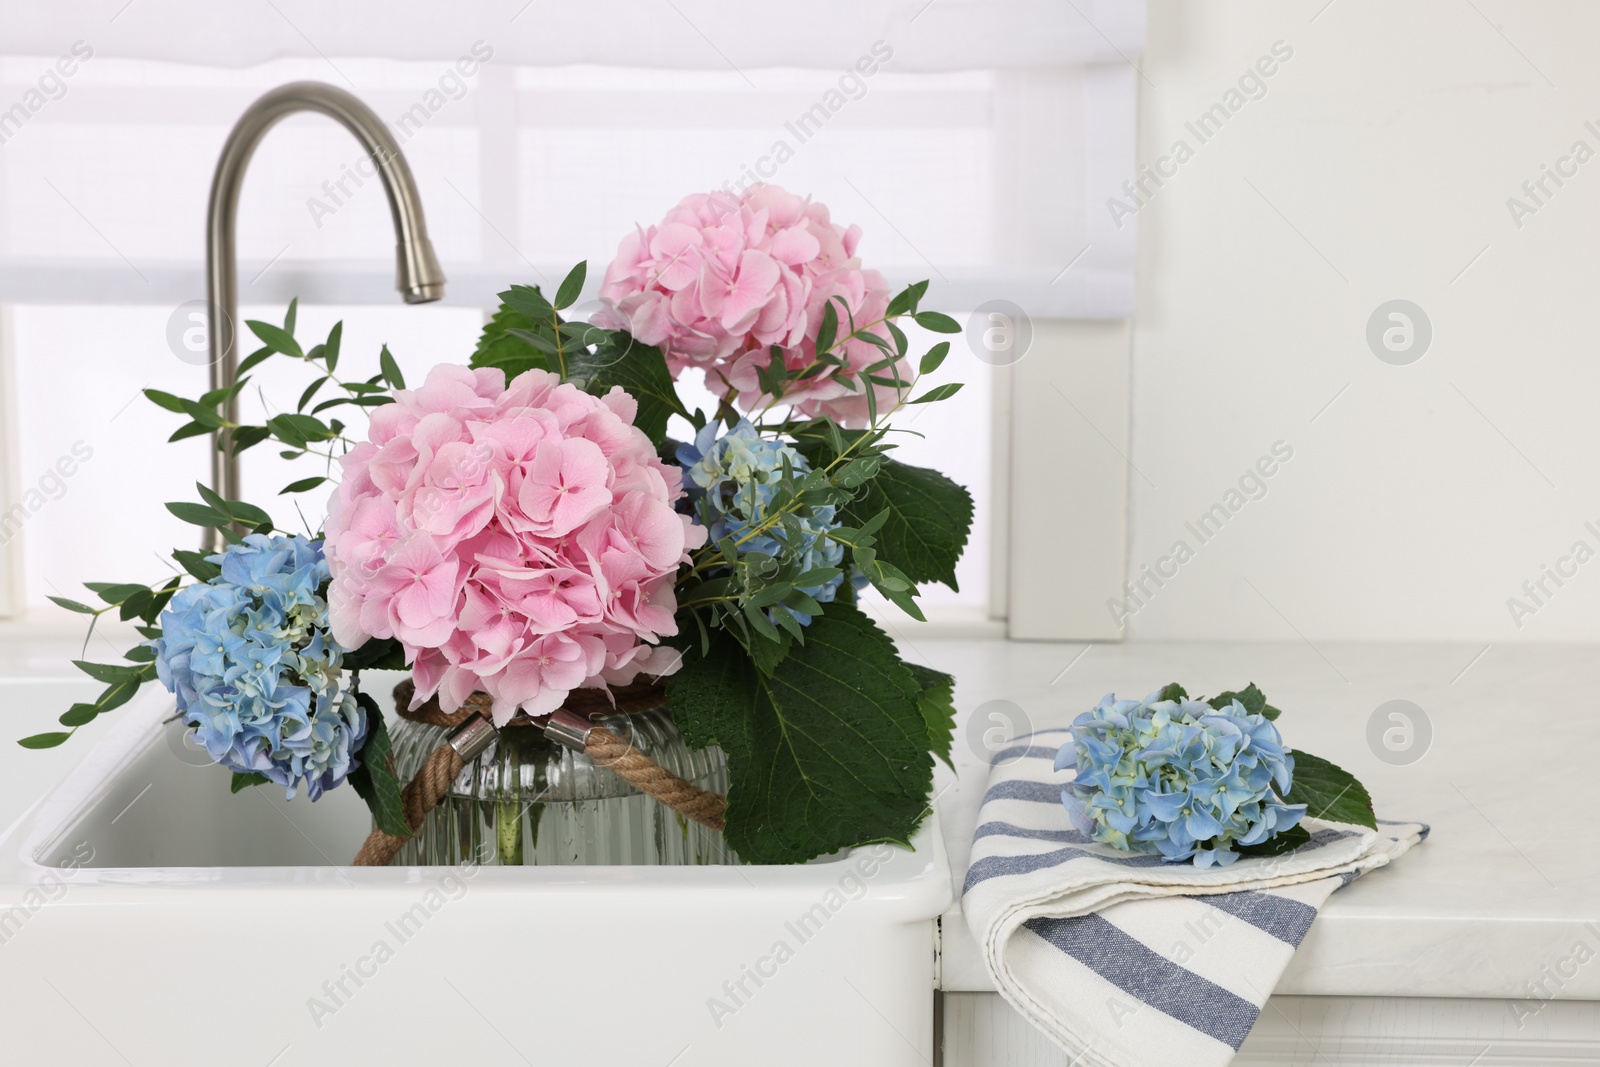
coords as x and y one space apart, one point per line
1125 960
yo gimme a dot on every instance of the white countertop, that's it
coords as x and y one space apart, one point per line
1495 900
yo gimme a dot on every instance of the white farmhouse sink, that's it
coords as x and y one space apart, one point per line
159 920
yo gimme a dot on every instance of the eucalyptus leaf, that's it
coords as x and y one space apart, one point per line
46 740
567 292
936 321
391 369
937 393
330 347
277 338
165 400
106 672
79 715
197 514
303 485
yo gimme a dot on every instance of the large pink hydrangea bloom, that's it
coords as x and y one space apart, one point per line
724 277
519 540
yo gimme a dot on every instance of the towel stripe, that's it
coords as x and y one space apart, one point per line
1016 752
1285 919
1018 789
1121 960
1422 835
999 866
1041 733
1005 829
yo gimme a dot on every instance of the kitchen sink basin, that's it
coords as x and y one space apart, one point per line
148 917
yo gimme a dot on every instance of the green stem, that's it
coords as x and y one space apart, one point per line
508 832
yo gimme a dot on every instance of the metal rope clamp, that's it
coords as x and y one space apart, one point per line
568 728
472 738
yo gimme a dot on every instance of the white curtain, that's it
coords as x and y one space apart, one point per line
976 142
940 35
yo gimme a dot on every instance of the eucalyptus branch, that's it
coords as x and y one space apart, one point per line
855 334
713 557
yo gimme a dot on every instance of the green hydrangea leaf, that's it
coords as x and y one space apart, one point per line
498 347
374 781
639 368
767 652
929 517
378 654
1329 792
244 780
1254 701
1277 844
828 752
938 708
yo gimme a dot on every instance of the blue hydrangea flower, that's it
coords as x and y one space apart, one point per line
1177 778
255 670
731 481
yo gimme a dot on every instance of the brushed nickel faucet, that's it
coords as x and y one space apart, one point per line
417 273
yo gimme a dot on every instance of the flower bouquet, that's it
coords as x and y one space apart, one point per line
522 527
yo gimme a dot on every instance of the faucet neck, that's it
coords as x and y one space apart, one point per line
418 276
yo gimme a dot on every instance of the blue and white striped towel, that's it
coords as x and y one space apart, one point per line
1126 961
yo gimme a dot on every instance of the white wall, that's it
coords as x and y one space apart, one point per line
1377 166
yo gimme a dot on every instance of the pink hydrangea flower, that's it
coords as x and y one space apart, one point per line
723 278
520 540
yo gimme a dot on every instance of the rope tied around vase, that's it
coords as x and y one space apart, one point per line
571 725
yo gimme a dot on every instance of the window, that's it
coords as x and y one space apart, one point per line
973 159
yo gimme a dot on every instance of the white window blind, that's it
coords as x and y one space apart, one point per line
974 143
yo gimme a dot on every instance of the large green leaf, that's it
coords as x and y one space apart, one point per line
1253 700
241 780
929 519
1329 792
498 348
827 752
374 781
378 654
523 335
938 708
639 368
1278 844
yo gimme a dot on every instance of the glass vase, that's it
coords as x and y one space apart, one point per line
530 801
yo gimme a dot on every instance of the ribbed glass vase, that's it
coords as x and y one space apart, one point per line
529 801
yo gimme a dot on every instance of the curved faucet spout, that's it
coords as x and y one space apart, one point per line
417 273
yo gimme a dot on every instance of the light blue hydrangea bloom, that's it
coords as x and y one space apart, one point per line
255 670
731 482
1177 778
